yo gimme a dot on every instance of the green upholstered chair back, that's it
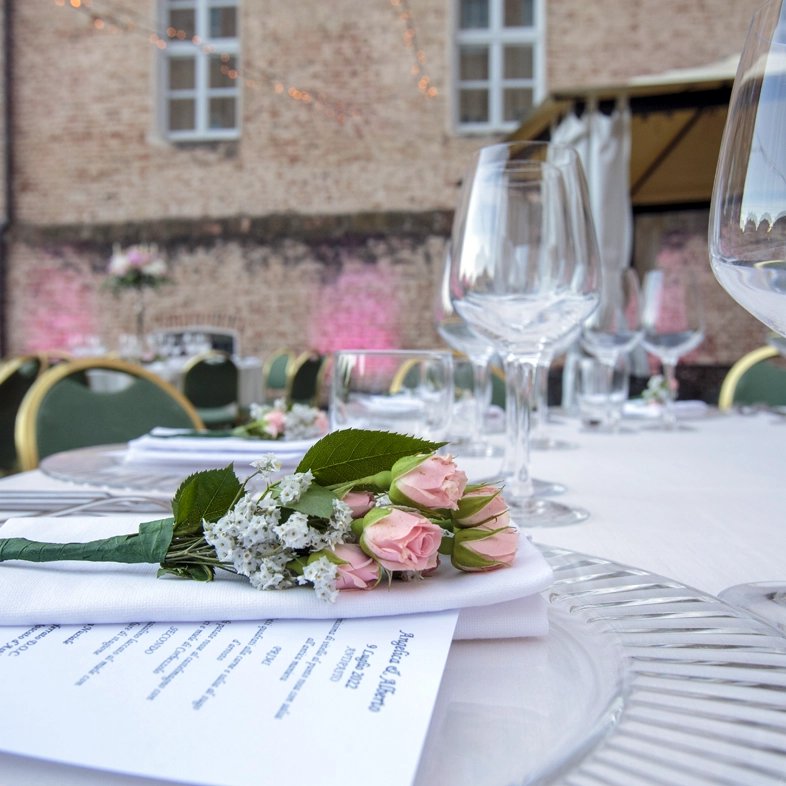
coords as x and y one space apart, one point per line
211 381
757 378
61 413
464 379
305 379
274 374
16 378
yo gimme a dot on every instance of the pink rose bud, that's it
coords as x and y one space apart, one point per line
360 502
430 482
484 548
274 422
400 539
482 506
356 570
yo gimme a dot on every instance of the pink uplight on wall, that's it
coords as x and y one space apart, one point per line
62 309
356 311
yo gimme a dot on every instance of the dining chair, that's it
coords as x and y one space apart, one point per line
274 374
305 378
210 383
59 412
17 376
753 379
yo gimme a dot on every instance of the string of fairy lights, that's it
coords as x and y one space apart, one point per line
109 18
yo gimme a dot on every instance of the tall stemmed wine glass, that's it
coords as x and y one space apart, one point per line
615 328
459 337
747 235
673 321
521 277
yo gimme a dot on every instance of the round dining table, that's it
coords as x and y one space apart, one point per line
645 676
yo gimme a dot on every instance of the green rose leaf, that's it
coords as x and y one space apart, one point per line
314 501
352 454
204 495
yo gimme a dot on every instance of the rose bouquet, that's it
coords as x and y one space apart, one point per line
361 506
136 267
297 421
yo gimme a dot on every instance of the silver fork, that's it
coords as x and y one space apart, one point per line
69 503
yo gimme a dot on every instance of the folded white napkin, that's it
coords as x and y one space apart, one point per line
498 604
165 447
638 408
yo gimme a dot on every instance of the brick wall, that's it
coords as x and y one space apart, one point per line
92 167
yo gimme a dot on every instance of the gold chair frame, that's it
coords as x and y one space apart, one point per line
736 372
25 430
207 355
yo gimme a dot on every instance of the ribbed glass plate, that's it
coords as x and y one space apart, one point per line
641 680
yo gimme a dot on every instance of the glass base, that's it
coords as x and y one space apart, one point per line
549 443
765 599
475 449
531 512
661 426
545 488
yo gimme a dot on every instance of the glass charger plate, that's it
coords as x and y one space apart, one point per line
641 680
102 466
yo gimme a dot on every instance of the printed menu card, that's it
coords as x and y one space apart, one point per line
229 703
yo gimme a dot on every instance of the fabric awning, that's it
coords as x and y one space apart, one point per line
676 128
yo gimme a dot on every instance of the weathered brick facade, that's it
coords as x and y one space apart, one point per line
305 222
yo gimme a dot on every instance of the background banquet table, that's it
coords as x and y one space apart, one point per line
703 507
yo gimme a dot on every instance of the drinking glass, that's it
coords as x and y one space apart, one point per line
673 323
410 392
747 235
458 336
615 328
597 402
522 276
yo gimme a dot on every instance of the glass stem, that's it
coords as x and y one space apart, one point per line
482 392
669 414
540 416
608 373
520 371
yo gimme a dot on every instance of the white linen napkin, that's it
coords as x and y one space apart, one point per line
638 408
163 446
498 604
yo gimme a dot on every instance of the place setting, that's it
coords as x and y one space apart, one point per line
481 522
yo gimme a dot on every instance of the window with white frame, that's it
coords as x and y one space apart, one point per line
201 96
498 57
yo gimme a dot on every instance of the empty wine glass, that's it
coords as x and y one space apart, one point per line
673 321
459 337
521 278
747 236
615 328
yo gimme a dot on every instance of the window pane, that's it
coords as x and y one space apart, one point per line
223 22
183 19
474 106
182 73
518 62
222 113
519 13
220 68
474 13
473 62
516 103
181 114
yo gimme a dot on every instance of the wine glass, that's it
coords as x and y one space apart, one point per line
459 337
615 328
522 276
673 322
747 233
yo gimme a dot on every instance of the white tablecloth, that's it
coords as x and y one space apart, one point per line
704 507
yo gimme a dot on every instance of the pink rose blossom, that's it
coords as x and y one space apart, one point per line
361 502
494 513
401 540
274 422
431 483
359 571
486 547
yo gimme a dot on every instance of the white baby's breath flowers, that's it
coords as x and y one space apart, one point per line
293 486
301 422
267 465
294 533
322 573
256 411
